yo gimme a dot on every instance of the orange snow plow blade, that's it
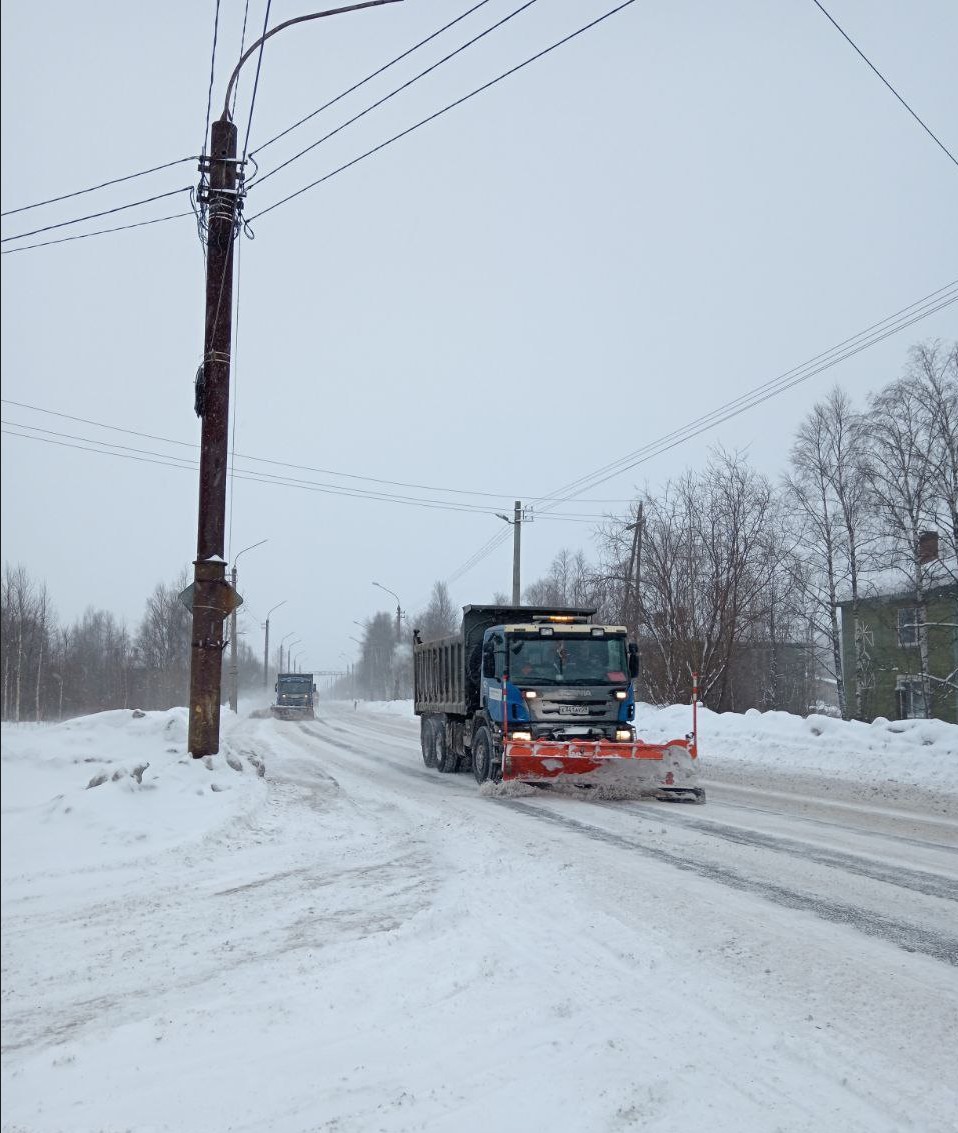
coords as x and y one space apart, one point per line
667 770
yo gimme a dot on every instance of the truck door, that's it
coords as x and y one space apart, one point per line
493 666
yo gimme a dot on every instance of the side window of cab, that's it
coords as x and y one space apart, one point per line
493 656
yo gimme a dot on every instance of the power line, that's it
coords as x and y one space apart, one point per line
370 77
892 324
448 107
99 232
209 95
398 90
914 115
95 215
499 496
144 456
259 63
101 185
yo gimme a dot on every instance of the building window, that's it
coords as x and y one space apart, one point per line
908 626
911 695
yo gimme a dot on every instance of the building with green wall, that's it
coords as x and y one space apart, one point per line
891 625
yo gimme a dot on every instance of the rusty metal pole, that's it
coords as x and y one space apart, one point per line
516 545
211 591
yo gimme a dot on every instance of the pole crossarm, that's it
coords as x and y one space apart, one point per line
288 24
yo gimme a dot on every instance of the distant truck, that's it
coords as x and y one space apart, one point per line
542 695
295 697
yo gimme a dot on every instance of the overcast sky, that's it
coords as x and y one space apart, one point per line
677 206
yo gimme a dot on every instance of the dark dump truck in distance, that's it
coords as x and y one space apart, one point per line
540 694
295 697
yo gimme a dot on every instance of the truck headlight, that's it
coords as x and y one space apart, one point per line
620 694
527 736
529 693
623 735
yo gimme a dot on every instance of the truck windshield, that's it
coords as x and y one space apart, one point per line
568 660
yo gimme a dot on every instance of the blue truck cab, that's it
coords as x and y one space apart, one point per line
528 672
557 676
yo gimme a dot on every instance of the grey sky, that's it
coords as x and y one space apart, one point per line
681 204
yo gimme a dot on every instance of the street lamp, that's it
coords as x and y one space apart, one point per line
221 198
398 608
234 665
290 634
266 645
295 661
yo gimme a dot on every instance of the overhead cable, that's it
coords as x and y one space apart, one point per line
398 90
95 215
892 324
101 185
938 142
370 77
450 106
98 232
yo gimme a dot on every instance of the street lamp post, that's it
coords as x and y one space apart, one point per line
212 597
234 664
398 609
266 645
290 634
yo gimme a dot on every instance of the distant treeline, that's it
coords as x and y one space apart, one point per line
52 671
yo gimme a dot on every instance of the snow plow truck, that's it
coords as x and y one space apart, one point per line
295 693
542 695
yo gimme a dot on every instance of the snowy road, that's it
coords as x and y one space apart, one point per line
357 943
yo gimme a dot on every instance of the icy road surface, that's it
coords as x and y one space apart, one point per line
353 943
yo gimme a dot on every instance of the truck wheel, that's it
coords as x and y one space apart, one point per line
483 755
427 738
446 759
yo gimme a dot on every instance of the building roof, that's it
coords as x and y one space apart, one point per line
899 581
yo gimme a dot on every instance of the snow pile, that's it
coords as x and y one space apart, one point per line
121 777
913 752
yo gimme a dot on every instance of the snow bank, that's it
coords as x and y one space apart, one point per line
80 788
921 753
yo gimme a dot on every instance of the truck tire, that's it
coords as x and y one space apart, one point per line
427 739
484 763
446 759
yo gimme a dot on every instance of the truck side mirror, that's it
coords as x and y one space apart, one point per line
488 661
633 660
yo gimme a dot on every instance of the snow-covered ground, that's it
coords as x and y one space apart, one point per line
311 931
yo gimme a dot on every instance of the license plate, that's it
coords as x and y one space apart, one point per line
573 709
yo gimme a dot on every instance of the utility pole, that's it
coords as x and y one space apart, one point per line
519 517
212 596
634 576
516 551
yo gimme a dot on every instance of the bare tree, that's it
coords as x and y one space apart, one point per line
827 494
440 617
711 549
